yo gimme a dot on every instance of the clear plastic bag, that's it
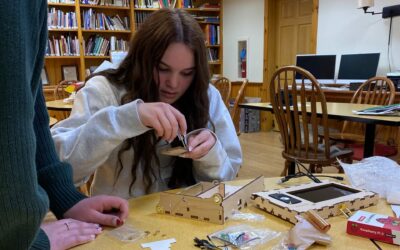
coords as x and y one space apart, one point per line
302 236
126 233
237 215
378 174
244 236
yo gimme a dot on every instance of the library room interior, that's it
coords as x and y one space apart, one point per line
231 124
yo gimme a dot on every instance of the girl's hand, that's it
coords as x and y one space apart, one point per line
200 144
67 233
165 119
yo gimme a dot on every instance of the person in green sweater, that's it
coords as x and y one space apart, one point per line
32 178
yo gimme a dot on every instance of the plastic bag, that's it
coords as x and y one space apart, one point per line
302 236
377 174
237 215
126 233
244 236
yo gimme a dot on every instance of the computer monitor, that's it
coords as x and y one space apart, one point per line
357 67
321 66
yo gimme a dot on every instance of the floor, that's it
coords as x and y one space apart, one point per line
262 155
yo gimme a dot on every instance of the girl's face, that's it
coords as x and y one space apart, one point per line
175 72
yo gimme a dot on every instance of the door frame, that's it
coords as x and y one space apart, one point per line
270 24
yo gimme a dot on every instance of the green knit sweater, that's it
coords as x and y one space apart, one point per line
32 178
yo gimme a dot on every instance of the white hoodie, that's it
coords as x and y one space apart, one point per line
91 138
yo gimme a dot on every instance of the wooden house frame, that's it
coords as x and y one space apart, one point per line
325 209
213 202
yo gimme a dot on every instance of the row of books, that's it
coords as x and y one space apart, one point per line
140 16
98 45
172 4
211 33
187 3
100 21
212 54
118 44
119 3
154 4
61 1
207 19
63 46
58 19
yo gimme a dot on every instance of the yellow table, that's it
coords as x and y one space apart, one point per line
52 121
344 111
143 216
59 105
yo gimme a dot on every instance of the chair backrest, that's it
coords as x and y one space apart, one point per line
299 129
224 87
377 91
59 91
235 111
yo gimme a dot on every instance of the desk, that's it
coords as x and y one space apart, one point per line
345 95
143 216
343 111
59 105
52 121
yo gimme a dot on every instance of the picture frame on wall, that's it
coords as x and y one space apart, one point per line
44 76
69 72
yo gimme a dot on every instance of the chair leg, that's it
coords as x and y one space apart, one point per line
312 168
318 169
285 169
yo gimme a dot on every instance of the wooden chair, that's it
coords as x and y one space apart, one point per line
59 91
59 94
224 87
235 111
376 91
299 129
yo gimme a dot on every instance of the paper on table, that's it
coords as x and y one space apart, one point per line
380 110
396 210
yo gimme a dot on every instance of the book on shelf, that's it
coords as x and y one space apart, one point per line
389 110
61 1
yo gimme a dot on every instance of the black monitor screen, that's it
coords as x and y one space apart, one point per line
358 66
321 66
323 193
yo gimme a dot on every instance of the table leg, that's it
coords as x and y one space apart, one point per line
369 140
292 168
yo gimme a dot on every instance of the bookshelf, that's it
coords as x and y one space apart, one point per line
80 34
207 12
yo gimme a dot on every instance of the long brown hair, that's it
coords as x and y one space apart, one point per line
135 73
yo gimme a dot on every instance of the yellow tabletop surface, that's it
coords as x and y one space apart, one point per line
343 110
52 121
161 226
59 105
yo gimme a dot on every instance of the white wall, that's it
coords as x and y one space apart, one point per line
243 20
344 29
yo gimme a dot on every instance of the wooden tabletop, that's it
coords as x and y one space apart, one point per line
52 121
340 111
59 105
161 226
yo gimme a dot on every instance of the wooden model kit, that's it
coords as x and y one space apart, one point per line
214 202
328 199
